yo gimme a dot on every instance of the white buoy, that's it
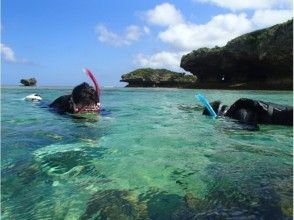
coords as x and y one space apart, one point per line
33 97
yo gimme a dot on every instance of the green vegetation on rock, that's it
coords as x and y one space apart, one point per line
147 77
262 59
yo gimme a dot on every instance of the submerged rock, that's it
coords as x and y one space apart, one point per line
114 204
261 59
29 82
68 160
147 77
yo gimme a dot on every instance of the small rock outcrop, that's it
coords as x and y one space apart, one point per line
147 77
29 82
262 59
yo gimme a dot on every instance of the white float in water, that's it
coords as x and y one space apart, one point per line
33 97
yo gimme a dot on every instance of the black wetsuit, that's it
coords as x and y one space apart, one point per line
255 112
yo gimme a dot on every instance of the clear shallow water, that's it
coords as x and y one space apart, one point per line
151 155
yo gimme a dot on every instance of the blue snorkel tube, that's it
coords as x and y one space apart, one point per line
206 104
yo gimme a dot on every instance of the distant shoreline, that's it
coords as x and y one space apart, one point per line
47 86
143 87
218 86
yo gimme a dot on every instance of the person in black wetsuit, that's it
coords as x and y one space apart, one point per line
253 112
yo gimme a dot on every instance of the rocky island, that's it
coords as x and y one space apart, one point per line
147 77
29 82
262 59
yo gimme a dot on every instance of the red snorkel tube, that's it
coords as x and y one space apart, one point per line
92 77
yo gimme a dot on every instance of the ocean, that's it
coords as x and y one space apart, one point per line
150 154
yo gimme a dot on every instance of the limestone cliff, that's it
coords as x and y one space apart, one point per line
147 77
29 82
262 59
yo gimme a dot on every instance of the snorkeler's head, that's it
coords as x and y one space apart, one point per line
215 105
85 98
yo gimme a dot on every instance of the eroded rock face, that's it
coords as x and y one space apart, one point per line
147 77
262 59
29 82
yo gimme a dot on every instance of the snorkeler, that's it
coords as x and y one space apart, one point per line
253 112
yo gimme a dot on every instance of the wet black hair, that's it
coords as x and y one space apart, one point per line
84 93
215 105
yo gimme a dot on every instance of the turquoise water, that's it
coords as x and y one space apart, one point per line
149 155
